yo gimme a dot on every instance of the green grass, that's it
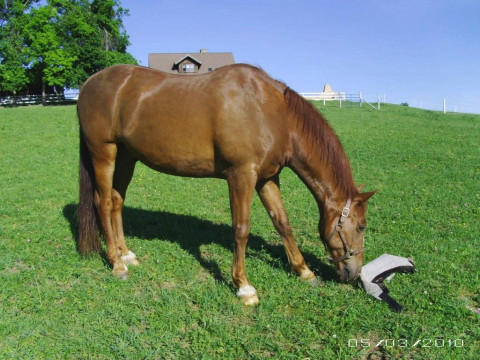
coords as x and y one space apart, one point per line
180 303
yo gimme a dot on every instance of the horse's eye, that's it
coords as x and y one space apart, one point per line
361 228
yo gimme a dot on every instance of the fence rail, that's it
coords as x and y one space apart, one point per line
324 96
375 102
341 99
51 99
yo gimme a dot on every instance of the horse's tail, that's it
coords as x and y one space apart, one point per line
88 233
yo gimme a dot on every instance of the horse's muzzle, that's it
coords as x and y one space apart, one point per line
349 272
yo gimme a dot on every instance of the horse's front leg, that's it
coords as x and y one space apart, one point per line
241 186
269 193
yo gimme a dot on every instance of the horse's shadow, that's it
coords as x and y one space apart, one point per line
191 232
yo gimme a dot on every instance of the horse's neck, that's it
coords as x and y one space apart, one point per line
319 176
317 154
322 189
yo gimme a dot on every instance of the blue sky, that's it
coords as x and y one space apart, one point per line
408 51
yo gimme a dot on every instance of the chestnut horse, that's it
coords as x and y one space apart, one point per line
235 123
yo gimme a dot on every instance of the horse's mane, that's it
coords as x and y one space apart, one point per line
323 140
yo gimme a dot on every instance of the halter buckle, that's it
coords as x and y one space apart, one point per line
349 254
345 212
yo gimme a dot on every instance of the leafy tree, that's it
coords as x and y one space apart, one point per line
59 43
45 51
108 16
13 73
94 34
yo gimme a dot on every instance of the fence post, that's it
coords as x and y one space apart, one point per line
378 101
360 97
444 106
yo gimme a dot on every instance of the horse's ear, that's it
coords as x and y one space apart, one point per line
366 195
360 187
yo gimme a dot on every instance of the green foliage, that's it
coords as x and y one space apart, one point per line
44 47
60 43
109 19
180 302
13 75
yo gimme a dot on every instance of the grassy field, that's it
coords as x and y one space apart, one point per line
180 303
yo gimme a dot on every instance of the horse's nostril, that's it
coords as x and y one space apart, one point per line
349 273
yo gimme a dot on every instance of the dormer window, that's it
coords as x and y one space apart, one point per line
187 64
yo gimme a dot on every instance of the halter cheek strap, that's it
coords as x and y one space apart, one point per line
338 230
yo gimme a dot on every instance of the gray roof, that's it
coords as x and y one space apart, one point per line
186 57
206 60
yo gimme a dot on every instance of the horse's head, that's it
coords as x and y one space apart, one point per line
342 231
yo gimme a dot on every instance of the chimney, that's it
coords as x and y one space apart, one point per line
203 51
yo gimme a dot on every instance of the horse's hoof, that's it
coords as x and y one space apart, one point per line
315 282
130 259
120 272
308 275
251 300
248 295
121 275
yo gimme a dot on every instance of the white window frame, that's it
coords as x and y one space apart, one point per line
188 68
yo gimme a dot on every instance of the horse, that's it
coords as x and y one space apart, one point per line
235 123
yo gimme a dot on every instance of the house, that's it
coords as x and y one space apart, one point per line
190 63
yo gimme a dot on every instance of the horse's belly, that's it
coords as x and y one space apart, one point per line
198 167
175 157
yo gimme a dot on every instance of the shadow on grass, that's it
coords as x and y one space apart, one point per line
191 232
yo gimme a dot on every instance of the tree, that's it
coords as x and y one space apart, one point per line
94 34
59 44
13 73
45 51
109 15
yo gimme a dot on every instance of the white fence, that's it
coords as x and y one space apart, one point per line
447 105
324 96
51 99
342 99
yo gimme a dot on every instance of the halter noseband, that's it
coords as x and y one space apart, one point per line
338 230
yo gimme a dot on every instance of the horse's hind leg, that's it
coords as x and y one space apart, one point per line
104 165
124 167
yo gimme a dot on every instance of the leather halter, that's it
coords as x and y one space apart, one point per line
338 230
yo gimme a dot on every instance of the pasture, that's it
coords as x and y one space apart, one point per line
180 302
